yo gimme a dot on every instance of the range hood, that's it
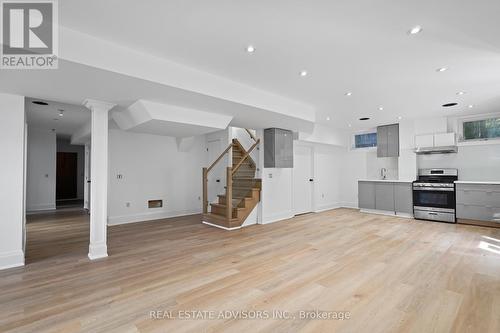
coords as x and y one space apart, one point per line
436 150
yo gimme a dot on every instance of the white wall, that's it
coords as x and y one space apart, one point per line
153 168
354 167
476 163
277 184
41 170
65 146
11 180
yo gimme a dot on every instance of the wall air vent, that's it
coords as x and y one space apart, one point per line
155 203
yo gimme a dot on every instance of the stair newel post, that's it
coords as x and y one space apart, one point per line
229 193
205 190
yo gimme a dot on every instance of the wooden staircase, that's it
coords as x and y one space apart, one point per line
242 188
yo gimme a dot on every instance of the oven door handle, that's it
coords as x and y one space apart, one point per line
438 189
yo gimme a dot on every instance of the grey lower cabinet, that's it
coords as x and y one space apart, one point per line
386 196
403 198
388 141
366 195
478 202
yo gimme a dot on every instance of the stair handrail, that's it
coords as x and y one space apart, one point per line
205 172
220 157
251 134
247 154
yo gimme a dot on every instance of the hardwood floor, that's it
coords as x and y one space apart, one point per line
391 274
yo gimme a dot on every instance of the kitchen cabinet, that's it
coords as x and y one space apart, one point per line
403 198
445 139
388 141
435 140
479 202
366 195
278 148
384 196
424 141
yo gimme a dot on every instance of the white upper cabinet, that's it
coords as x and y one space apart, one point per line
444 139
424 141
435 140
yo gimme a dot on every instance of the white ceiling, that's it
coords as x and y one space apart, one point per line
353 45
47 117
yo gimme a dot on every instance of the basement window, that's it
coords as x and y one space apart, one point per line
481 129
365 140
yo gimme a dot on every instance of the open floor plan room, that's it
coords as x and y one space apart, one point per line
249 166
385 273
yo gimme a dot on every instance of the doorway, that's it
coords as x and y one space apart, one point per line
303 180
66 176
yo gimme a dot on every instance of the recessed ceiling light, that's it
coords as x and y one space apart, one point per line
364 118
250 49
40 103
303 73
349 125
471 106
381 108
442 69
400 117
415 30
327 118
447 105
61 113
348 93
461 93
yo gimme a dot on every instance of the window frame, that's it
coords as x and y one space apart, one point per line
467 119
353 140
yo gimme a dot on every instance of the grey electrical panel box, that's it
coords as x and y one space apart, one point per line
278 148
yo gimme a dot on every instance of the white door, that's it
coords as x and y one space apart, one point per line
302 180
216 176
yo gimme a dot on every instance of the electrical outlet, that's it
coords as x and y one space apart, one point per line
127 204
270 175
199 198
322 195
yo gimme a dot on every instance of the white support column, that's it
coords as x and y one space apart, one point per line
99 178
86 185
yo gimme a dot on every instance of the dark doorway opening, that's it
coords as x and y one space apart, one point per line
67 179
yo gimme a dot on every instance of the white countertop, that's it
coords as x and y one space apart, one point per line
387 180
477 182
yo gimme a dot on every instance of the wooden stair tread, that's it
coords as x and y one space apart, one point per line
224 206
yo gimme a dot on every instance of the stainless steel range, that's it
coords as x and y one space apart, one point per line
434 195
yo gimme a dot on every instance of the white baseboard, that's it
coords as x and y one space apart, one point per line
149 216
323 208
11 259
405 215
346 204
220 227
378 212
32 209
277 217
97 251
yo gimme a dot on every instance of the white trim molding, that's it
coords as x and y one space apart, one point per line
220 227
11 259
142 217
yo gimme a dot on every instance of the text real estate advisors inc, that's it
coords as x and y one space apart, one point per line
249 315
